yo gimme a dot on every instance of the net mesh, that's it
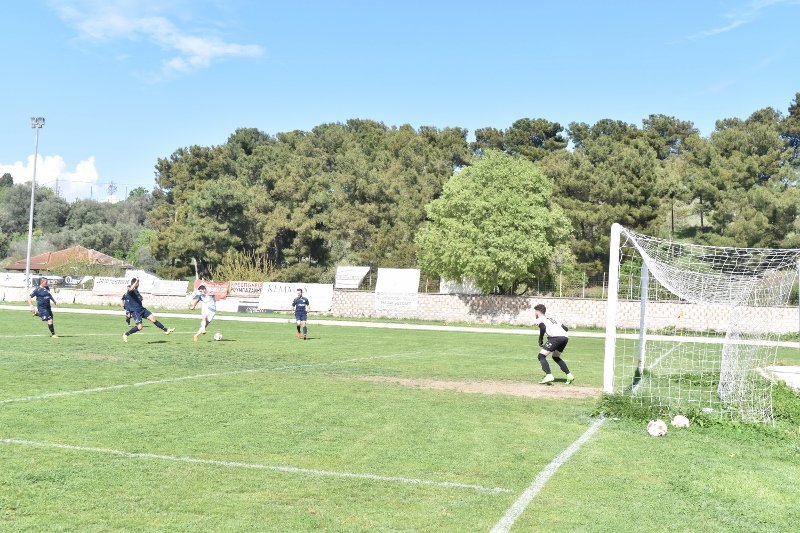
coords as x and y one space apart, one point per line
697 325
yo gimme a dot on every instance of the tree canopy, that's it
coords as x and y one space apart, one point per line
362 192
495 223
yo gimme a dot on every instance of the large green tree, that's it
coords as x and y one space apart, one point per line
495 223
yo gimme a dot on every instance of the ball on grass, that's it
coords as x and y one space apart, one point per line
218 336
657 428
680 421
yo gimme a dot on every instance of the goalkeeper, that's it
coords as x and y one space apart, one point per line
557 340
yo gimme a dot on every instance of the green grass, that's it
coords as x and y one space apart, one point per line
282 402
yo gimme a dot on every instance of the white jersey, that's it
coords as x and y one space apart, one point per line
553 327
208 301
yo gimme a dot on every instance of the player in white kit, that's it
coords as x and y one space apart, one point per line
207 311
557 339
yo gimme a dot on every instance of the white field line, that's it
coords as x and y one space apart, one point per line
256 466
419 327
518 507
196 376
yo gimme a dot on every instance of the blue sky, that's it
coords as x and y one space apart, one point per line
122 83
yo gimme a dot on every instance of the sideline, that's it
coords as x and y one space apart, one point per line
256 466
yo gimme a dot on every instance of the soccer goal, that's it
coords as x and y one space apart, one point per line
693 328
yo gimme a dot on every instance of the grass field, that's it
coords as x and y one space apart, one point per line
263 432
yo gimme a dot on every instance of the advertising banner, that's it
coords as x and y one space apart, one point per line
105 286
397 289
12 279
350 277
218 288
245 289
166 287
277 296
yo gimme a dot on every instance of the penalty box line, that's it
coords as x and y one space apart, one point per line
256 466
519 506
197 376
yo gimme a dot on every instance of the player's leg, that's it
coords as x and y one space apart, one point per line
304 323
205 320
152 318
137 326
50 324
548 375
560 362
298 323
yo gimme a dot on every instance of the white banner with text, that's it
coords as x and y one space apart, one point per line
277 296
397 289
350 277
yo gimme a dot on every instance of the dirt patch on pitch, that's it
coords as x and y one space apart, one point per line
527 390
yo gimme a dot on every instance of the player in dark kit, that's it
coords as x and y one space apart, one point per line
140 312
557 340
43 299
301 306
125 299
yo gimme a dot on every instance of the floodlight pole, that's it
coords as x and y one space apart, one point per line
36 124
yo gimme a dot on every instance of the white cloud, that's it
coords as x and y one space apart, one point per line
134 21
739 17
51 171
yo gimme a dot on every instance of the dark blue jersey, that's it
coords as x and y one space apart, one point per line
43 297
300 305
125 300
134 301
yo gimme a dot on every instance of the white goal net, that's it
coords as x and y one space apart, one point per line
693 328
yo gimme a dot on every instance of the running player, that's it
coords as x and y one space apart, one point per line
207 311
557 340
139 312
43 299
301 306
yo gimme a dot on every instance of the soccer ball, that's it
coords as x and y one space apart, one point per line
657 428
218 336
680 421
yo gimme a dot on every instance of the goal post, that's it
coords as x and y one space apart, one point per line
692 328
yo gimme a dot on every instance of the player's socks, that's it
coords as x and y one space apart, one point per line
52 329
305 332
544 363
548 379
159 325
570 378
561 364
131 331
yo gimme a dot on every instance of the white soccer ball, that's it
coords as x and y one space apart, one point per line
680 421
218 336
657 428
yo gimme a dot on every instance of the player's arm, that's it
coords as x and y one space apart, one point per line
194 302
30 304
542 329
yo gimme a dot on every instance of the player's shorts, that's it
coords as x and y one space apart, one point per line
44 313
555 344
301 317
141 314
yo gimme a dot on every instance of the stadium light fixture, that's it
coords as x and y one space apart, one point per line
36 124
